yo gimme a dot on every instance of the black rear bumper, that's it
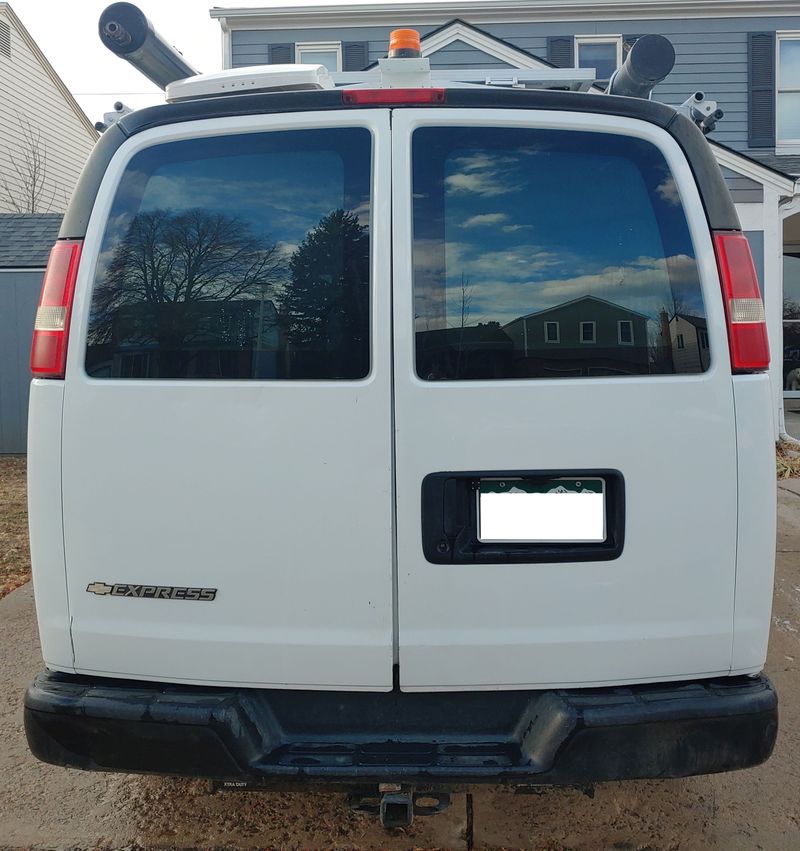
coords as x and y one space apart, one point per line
282 738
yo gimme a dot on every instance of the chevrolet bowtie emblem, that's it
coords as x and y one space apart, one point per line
99 588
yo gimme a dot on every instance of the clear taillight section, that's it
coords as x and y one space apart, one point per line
744 309
51 327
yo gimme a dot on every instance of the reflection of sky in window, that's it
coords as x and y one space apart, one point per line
281 183
528 226
281 196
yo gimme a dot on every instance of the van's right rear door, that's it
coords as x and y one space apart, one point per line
558 327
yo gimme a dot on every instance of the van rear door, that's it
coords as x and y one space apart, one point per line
227 418
559 336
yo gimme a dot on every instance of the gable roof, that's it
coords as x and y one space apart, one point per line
697 321
458 30
23 33
26 239
576 301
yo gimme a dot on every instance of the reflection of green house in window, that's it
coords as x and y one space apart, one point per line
585 336
689 337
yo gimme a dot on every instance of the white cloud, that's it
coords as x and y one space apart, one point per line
484 219
668 191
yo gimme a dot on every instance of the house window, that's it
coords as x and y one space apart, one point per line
601 52
551 332
679 340
625 332
327 53
703 335
588 332
788 110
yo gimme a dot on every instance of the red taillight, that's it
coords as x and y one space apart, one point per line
390 97
744 309
51 328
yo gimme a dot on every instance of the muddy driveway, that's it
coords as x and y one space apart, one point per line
47 807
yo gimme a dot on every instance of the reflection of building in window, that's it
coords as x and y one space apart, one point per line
536 354
551 332
221 339
689 337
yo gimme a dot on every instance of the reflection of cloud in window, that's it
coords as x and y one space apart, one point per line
481 174
668 191
484 219
642 286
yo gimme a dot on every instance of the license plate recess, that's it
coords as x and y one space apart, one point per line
562 510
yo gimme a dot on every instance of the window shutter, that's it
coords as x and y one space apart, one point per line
281 54
355 55
561 51
761 90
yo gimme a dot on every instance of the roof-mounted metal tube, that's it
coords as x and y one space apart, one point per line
651 58
125 31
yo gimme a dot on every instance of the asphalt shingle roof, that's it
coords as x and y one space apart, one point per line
787 164
26 238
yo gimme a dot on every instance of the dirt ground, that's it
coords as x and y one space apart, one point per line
43 806
15 557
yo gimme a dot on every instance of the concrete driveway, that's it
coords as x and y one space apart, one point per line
43 806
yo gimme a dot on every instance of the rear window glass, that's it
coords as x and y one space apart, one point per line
241 257
550 254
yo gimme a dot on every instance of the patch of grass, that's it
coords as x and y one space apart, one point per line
787 461
15 556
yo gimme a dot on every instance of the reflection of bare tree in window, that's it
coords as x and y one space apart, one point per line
326 301
791 308
167 278
465 308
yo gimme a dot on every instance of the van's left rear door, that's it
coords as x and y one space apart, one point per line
227 407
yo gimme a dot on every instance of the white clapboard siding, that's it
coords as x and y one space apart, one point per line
31 91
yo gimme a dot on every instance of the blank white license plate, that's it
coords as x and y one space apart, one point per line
556 511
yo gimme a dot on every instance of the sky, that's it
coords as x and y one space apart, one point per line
66 32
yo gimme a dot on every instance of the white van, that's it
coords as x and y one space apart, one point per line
401 435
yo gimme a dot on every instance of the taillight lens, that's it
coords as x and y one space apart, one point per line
744 309
390 97
51 328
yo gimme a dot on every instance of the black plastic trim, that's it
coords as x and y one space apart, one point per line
719 208
450 523
283 738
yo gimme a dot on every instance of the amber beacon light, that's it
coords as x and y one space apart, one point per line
404 44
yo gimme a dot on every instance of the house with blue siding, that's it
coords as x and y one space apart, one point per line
743 54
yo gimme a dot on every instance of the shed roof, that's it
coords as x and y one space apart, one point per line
26 239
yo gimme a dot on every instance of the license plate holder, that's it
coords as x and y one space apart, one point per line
557 510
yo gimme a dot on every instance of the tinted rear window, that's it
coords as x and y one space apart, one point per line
242 256
550 254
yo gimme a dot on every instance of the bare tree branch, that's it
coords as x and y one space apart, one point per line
27 187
